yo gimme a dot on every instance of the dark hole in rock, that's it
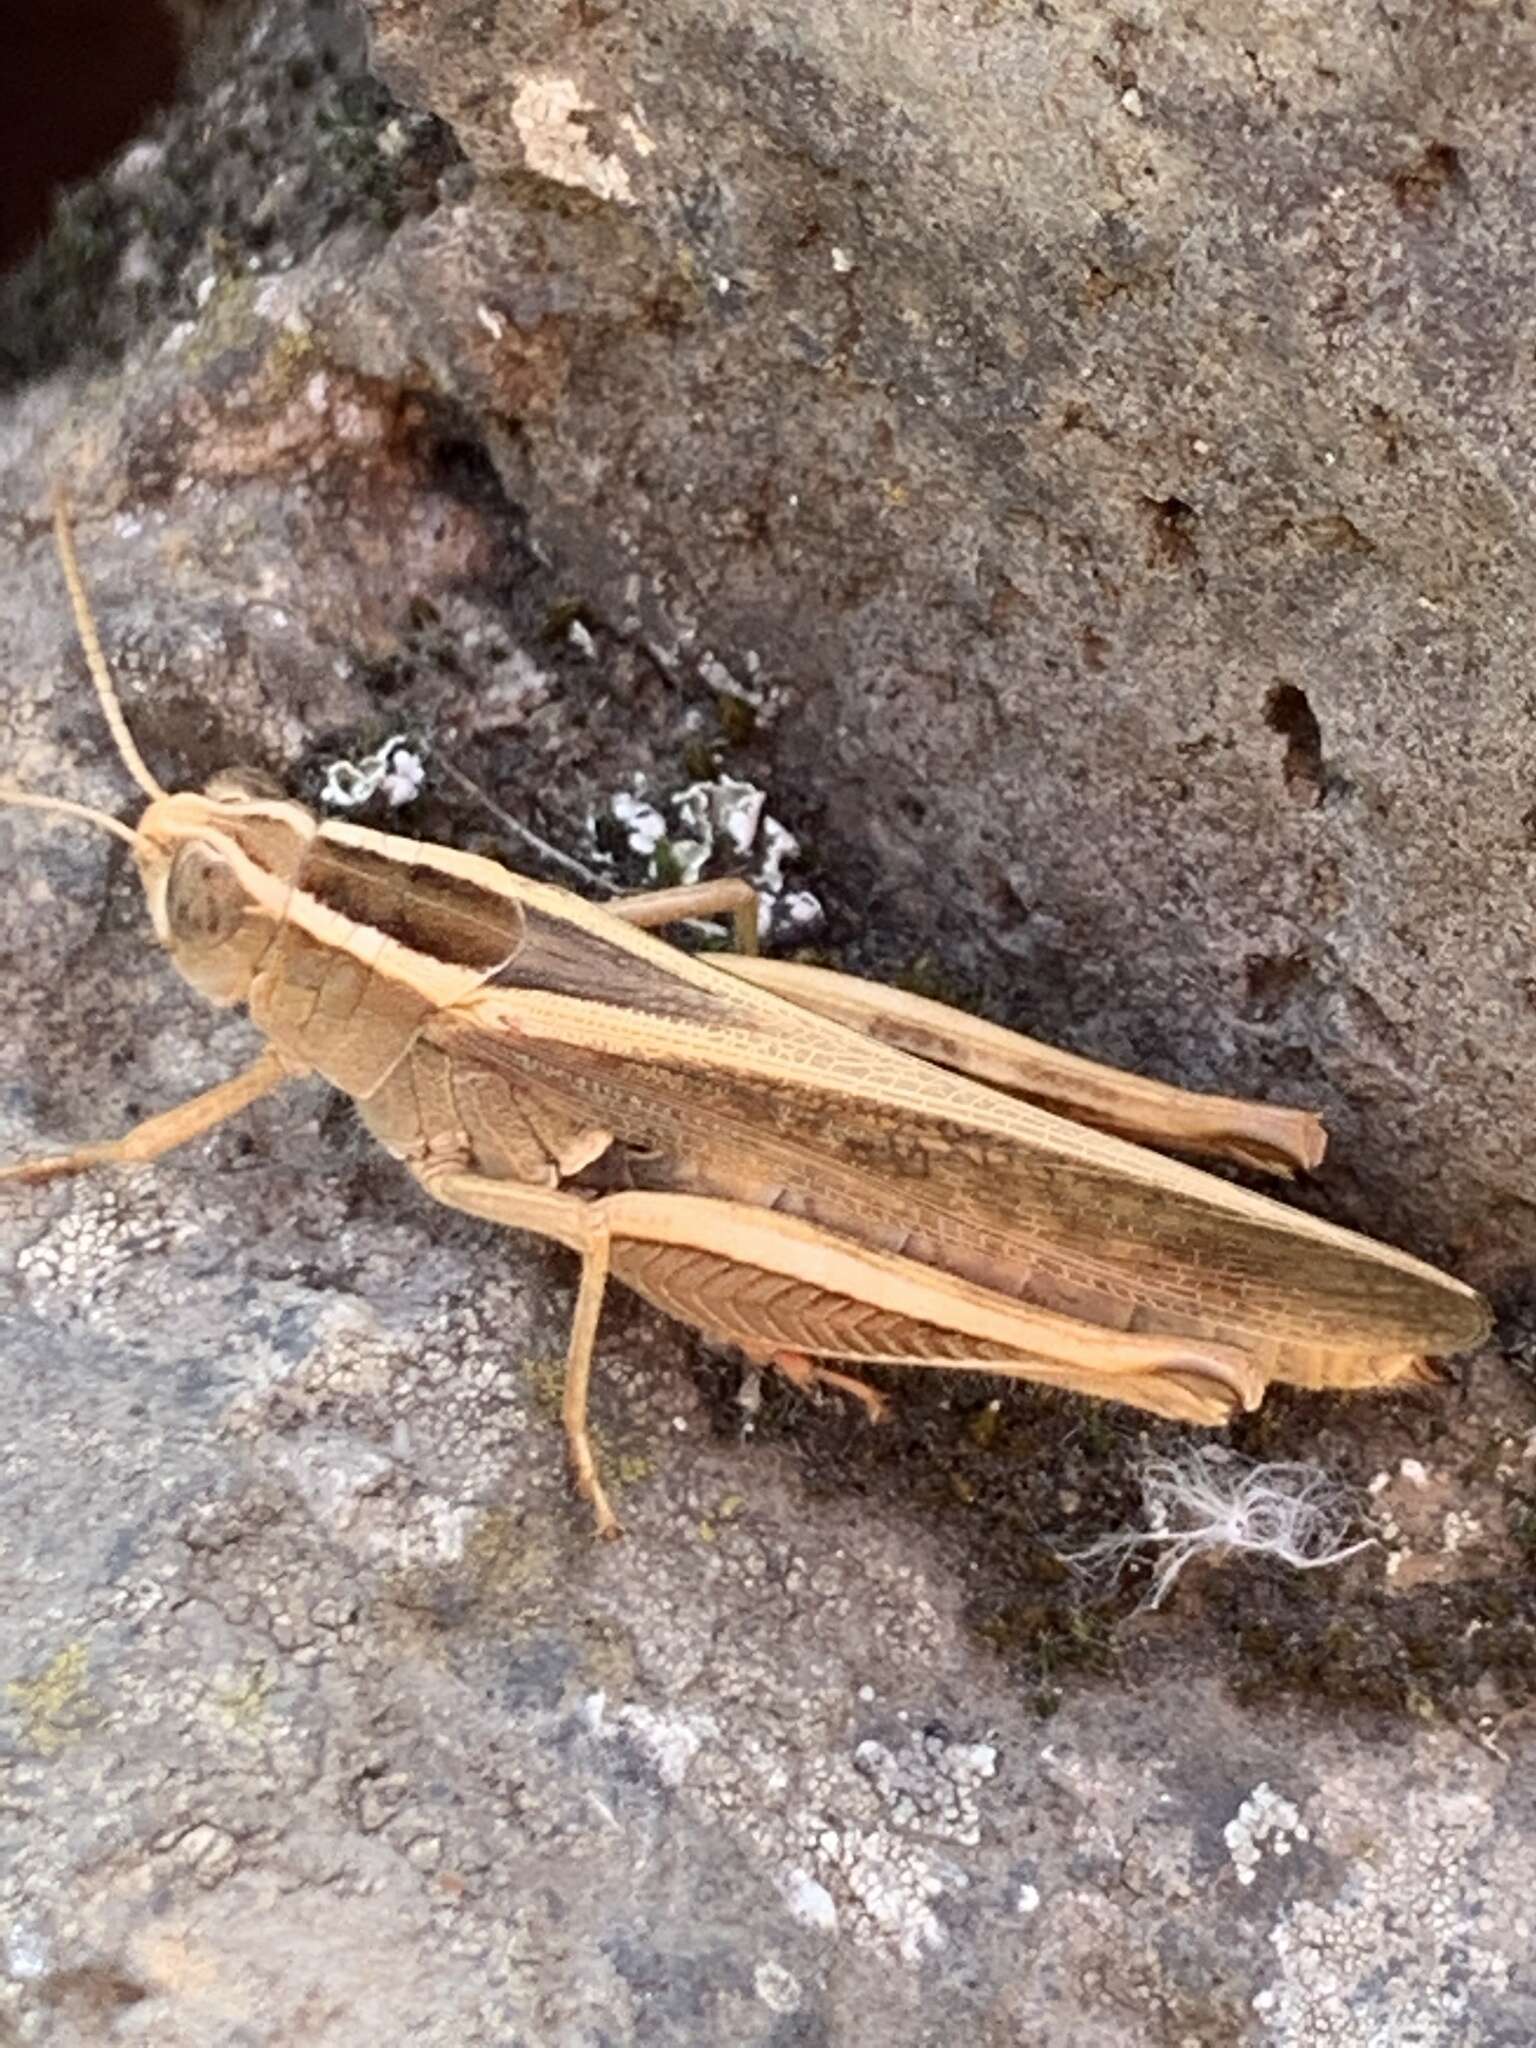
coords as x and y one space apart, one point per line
92 1991
1420 186
1173 532
1287 712
1272 979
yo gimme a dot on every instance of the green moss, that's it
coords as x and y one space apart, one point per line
984 1424
1004 1480
738 720
1356 1646
926 976
665 866
1051 1640
1521 1518
291 358
226 321
608 1661
622 1463
503 1582
506 1556
545 1381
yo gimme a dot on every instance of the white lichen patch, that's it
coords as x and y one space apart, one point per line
876 1861
893 1888
547 112
809 1901
643 825
114 1229
670 1739
1431 1535
778 1988
394 1438
394 771
712 670
802 911
28 1953
931 1785
866 1832
725 818
1432 1913
355 1493
516 690
709 813
1266 1819
778 846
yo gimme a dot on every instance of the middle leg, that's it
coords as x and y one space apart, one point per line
570 1220
805 1375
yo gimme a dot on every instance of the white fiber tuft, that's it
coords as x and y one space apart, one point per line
1206 1501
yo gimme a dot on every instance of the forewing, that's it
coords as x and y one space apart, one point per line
712 1086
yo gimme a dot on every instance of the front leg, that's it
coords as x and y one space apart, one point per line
173 1127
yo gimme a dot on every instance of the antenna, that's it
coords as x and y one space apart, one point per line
23 800
95 660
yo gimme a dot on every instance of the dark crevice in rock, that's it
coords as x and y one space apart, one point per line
1421 186
1273 979
1288 712
1173 542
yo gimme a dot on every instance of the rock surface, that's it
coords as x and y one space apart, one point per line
1075 465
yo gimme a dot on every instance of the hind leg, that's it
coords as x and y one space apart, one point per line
807 1374
1264 1135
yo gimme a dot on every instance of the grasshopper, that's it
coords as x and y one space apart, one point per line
793 1161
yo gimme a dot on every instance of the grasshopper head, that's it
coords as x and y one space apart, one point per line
217 865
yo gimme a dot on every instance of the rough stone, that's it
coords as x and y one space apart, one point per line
1074 464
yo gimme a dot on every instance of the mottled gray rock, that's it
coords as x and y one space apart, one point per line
1112 436
1100 447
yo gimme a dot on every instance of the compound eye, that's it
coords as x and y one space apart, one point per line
243 785
204 900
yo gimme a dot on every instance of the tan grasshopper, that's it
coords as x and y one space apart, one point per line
793 1161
